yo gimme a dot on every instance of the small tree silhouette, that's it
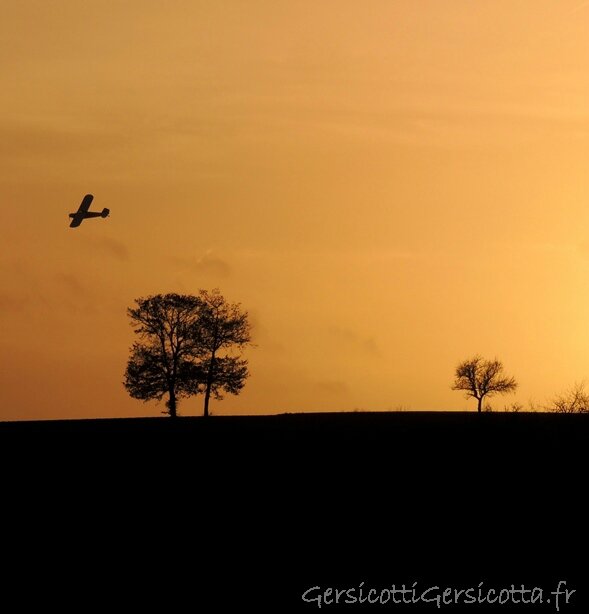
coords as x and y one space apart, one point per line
480 378
573 401
221 326
164 361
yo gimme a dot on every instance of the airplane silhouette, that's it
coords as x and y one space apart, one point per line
82 213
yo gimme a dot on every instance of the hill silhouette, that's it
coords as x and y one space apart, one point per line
263 507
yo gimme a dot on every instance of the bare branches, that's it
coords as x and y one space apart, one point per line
480 378
222 324
573 401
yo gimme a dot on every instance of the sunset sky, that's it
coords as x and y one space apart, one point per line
387 187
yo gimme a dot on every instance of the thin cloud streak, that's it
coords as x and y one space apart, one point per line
353 341
111 246
332 387
578 8
11 304
72 285
208 265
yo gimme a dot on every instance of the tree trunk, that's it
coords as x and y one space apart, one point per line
480 400
207 397
209 385
172 403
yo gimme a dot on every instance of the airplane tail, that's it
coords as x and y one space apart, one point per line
105 212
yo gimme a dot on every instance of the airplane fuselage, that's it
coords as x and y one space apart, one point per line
82 213
103 213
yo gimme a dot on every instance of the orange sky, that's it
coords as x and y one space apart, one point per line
387 186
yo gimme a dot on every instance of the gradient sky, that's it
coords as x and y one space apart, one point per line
388 187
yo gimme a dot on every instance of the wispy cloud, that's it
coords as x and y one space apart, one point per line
579 7
61 137
73 295
331 387
562 249
208 264
262 336
110 246
71 284
355 342
9 303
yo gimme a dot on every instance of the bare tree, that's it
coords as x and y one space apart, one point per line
513 408
221 326
480 378
573 401
164 361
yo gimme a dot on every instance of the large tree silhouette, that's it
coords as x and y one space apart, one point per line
165 360
222 326
480 378
187 346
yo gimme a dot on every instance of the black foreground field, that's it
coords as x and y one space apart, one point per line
234 513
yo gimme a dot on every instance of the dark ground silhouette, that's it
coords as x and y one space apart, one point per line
264 507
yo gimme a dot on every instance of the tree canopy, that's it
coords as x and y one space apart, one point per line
480 378
178 352
222 326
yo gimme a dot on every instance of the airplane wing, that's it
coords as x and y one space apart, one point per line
85 204
82 211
